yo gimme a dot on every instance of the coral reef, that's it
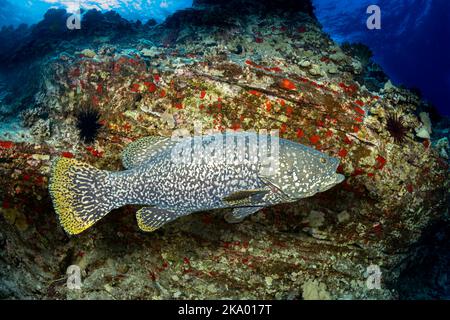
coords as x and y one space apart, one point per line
245 69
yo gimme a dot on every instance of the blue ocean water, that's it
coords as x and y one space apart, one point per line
31 11
412 46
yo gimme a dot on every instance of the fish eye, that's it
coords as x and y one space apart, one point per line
323 160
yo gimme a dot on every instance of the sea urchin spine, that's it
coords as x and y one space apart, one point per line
396 127
88 124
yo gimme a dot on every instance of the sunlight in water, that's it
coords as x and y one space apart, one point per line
130 9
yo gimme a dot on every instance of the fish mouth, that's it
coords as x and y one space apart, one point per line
335 180
339 178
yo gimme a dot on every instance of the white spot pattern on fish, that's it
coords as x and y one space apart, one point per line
82 194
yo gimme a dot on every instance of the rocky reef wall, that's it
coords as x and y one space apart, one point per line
255 69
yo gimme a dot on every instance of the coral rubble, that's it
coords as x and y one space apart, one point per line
226 67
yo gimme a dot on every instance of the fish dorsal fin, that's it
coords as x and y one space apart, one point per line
143 149
244 197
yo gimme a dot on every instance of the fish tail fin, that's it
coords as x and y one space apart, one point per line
79 193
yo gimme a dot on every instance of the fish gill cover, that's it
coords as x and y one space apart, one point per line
237 65
23 11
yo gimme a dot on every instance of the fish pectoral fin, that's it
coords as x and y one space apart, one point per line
151 218
239 214
144 149
243 197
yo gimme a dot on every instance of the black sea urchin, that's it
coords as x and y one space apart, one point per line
396 127
88 124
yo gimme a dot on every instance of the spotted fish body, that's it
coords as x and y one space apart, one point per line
175 178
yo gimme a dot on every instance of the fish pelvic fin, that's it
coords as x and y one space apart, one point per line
150 219
79 193
239 214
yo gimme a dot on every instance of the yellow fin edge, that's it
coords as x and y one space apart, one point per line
63 193
141 224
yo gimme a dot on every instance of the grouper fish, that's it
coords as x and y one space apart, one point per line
168 188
